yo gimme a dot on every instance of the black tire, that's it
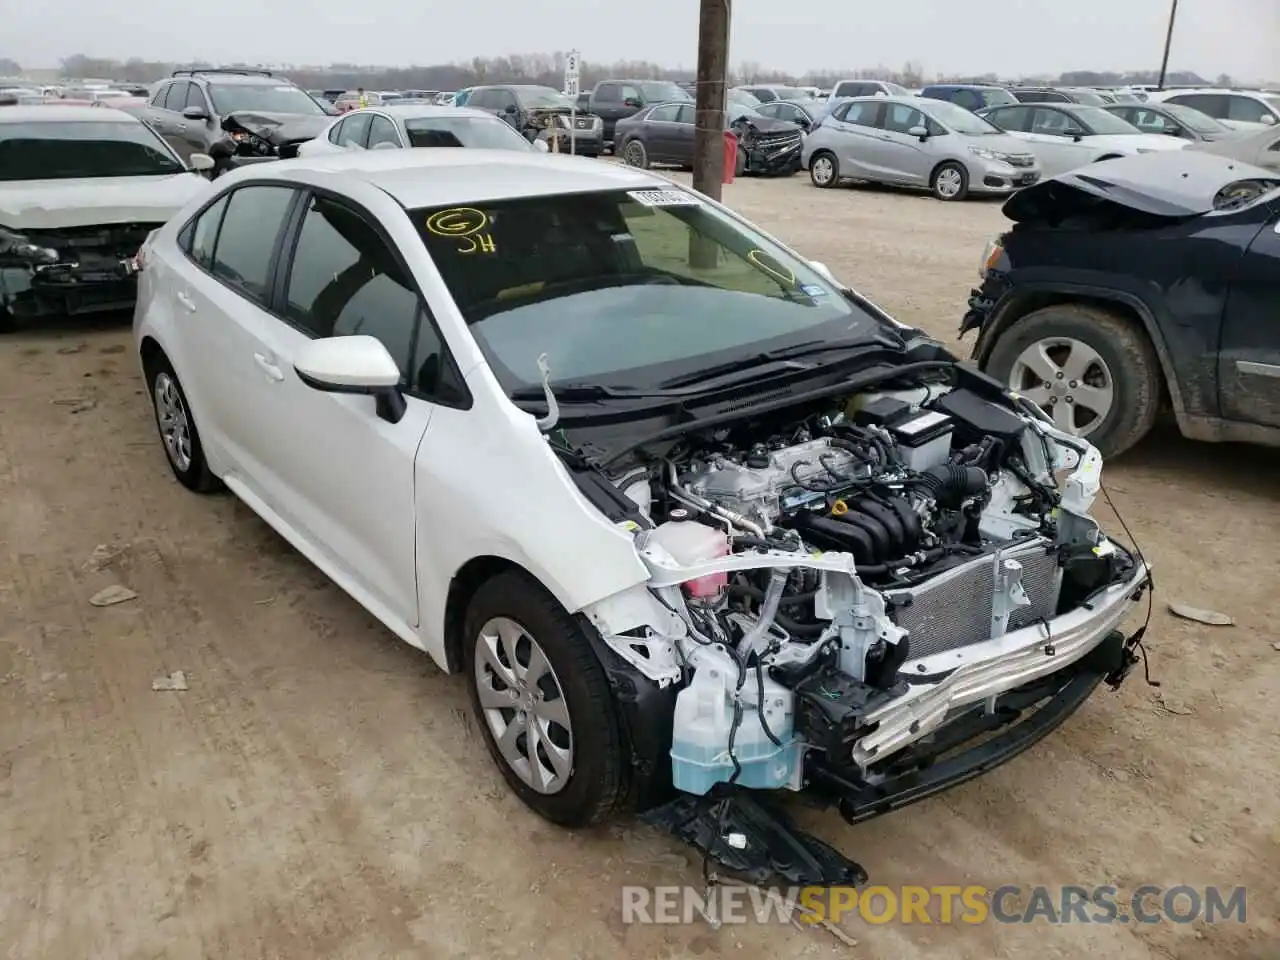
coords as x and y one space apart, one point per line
740 163
7 322
194 474
827 157
635 154
597 783
945 174
1121 343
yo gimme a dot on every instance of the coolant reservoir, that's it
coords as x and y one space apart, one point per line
690 542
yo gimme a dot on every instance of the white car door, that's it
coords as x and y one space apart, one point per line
343 475
1059 141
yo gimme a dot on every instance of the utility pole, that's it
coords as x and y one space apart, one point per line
709 106
1168 42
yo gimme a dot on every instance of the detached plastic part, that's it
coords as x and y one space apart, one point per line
754 843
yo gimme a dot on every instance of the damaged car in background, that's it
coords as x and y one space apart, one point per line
80 190
701 526
663 134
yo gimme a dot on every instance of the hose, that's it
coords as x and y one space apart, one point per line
949 485
768 610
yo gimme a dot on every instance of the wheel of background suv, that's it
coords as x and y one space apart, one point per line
740 164
1093 371
178 428
544 705
950 181
7 322
635 155
824 169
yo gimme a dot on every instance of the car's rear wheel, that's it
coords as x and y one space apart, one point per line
178 428
740 163
824 169
1093 371
544 704
634 154
950 181
7 322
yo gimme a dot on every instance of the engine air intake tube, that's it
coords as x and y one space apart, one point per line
950 484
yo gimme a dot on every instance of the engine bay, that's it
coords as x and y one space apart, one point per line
822 561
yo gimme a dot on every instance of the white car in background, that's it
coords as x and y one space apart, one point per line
600 470
417 125
1260 148
1245 110
1065 136
80 189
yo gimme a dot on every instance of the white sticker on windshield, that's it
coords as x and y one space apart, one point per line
813 290
664 198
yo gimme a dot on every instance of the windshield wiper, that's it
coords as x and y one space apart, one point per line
574 392
803 349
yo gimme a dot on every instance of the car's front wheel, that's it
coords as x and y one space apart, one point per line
178 428
950 181
543 702
1093 371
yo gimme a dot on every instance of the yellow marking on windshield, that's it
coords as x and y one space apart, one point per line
763 261
457 222
524 290
482 243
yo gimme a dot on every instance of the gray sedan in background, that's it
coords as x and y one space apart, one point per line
917 142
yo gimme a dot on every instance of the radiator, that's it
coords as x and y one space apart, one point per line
954 609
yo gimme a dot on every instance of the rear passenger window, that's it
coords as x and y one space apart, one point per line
1247 109
204 234
250 227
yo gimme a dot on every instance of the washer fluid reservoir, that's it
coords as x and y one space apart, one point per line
690 542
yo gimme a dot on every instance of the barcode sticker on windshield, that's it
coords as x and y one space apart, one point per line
664 198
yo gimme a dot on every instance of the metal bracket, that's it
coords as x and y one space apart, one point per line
1007 595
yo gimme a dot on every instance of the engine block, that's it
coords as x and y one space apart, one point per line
765 484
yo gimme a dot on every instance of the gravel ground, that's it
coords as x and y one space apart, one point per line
320 790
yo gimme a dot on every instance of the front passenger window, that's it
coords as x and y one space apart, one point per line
344 280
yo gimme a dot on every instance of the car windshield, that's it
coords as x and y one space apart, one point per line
476 132
1193 119
65 151
663 91
960 120
743 99
790 93
262 98
1274 102
1102 121
625 287
543 97
993 97
896 90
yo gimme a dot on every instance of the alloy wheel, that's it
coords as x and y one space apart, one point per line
822 171
1069 380
949 183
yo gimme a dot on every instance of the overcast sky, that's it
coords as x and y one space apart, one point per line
1239 37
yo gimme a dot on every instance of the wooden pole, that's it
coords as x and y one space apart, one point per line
713 65
1168 42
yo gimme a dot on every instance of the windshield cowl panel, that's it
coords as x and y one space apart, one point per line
629 289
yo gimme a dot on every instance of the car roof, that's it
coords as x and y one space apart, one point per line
63 114
407 111
429 177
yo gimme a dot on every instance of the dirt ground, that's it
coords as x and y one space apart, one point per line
320 790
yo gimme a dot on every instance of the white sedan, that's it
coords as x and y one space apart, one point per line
685 514
417 125
1065 136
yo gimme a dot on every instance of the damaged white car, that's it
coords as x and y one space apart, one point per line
695 521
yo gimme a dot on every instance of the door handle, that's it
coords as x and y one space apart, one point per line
187 302
270 369
182 128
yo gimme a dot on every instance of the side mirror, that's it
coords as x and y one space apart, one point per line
195 113
920 133
1268 120
541 146
357 365
200 162
632 102
509 108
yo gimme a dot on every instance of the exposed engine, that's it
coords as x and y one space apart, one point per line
813 555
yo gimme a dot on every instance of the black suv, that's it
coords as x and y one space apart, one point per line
1135 284
236 116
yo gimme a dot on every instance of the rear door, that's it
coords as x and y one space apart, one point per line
1249 357
163 119
860 138
662 133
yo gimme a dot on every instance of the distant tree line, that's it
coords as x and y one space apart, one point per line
548 69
